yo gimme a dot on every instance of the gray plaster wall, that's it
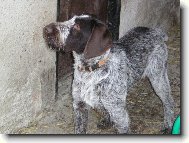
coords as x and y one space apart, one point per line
149 13
27 67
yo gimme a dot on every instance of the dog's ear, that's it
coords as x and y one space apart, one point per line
99 41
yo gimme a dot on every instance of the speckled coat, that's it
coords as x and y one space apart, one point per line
142 52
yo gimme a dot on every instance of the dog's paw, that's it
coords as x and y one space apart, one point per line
166 131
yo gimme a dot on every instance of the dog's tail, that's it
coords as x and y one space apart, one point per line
162 34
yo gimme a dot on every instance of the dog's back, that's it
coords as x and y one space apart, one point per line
140 44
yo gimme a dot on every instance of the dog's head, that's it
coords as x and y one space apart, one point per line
82 34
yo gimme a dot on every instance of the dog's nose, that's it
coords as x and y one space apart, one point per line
47 30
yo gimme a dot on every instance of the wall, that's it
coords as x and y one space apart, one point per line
149 13
27 67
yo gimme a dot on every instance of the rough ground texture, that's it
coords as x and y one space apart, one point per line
144 106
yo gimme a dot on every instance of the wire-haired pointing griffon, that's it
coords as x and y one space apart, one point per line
104 71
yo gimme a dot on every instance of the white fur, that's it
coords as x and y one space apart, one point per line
88 80
105 86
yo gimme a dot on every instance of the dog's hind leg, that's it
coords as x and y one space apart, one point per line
156 71
103 116
118 113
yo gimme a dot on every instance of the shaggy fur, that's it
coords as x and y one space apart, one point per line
140 53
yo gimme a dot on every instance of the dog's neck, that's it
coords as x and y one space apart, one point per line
91 64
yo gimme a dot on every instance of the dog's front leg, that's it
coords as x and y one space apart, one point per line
81 117
80 111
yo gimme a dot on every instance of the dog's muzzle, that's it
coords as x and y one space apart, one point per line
52 38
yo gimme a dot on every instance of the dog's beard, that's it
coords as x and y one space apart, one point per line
55 47
51 47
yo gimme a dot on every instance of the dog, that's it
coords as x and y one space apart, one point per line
104 71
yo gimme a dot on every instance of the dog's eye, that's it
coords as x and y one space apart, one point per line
76 27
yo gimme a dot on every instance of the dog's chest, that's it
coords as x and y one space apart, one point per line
87 82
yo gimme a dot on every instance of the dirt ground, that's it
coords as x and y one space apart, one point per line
144 107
